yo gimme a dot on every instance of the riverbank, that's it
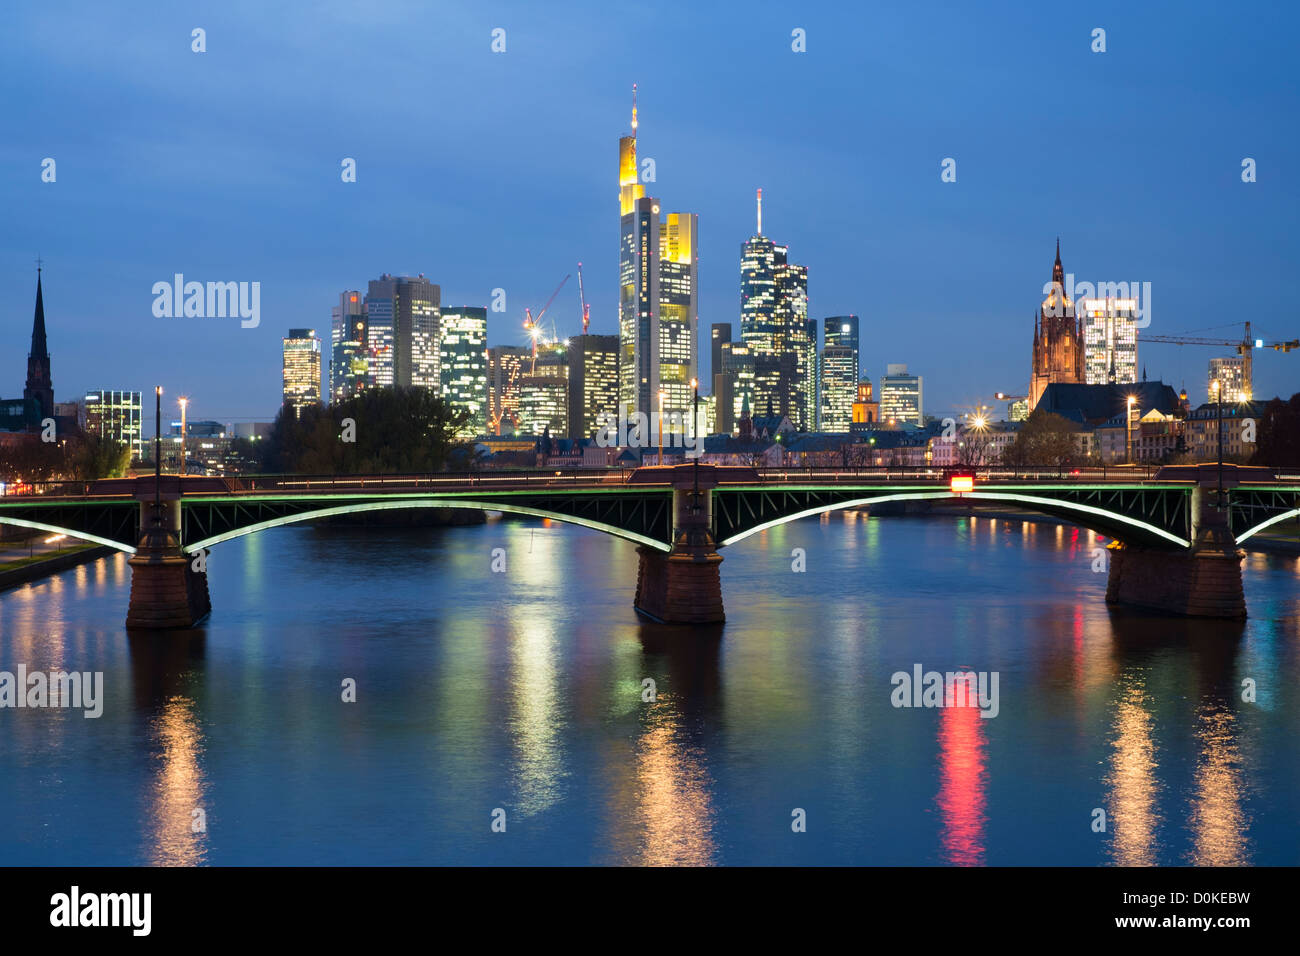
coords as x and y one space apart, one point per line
26 568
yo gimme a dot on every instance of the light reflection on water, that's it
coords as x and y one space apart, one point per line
523 691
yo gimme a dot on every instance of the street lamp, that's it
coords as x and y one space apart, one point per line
1217 385
695 433
184 403
1128 430
661 426
157 443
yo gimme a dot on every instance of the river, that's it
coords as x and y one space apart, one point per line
500 716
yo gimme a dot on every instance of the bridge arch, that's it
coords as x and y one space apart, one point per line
1276 519
70 532
406 504
1099 520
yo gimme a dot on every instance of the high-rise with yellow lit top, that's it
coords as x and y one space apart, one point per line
658 305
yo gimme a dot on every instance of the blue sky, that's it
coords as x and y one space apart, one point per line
488 170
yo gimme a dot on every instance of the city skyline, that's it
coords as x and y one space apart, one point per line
962 261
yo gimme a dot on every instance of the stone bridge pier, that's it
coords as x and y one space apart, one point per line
166 590
684 586
1203 581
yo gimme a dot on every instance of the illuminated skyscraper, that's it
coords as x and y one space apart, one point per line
1110 341
839 385
900 397
116 415
348 366
506 367
544 394
843 330
1058 339
462 364
658 295
402 331
774 325
302 370
593 382
734 386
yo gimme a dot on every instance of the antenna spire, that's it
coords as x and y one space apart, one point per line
634 111
760 211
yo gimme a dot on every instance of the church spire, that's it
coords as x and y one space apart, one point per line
39 386
39 348
1058 273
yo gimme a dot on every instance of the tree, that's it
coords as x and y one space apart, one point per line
975 447
1044 439
382 430
1277 441
93 457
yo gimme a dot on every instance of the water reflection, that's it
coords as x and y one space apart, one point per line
1132 781
164 666
1217 819
962 779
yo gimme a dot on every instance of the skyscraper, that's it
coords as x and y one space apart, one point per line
900 397
462 365
843 330
544 393
773 324
302 370
658 295
402 331
839 382
1058 339
593 382
40 383
506 366
1110 341
117 416
734 386
348 366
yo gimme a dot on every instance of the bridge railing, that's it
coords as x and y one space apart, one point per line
941 474
512 480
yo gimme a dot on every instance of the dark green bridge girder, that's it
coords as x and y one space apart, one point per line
1151 515
643 515
1148 514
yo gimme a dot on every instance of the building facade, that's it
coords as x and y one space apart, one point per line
302 369
463 365
402 314
593 382
1231 375
901 397
838 388
349 369
1110 341
117 415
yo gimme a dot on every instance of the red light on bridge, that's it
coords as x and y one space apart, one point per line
960 483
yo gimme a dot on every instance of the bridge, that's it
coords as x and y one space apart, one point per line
1175 538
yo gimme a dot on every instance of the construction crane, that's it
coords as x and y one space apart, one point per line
582 298
533 324
1245 348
